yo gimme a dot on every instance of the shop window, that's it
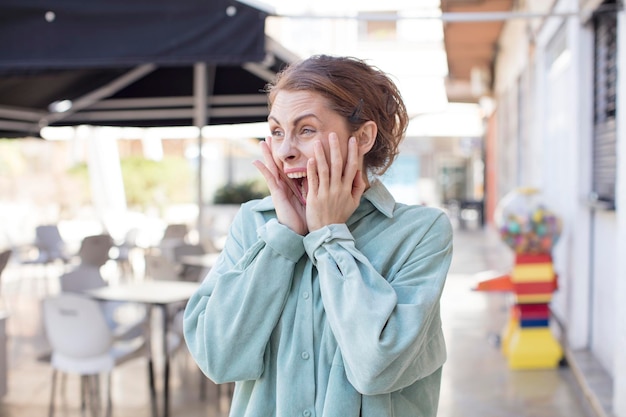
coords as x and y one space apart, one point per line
605 91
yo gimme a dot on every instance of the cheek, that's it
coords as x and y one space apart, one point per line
306 149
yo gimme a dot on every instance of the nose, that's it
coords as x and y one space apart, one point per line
287 149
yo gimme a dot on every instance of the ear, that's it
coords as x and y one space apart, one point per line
366 135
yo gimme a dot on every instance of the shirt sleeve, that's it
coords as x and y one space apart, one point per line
229 320
388 328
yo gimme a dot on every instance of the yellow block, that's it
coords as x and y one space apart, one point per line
533 298
509 330
534 348
540 272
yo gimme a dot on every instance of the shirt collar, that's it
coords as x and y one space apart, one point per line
378 195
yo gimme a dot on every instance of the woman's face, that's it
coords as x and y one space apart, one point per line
297 120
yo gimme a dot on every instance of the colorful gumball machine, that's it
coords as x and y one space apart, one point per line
531 230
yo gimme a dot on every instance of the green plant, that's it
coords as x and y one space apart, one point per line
156 183
147 183
240 193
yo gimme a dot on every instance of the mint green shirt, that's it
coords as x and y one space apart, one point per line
342 322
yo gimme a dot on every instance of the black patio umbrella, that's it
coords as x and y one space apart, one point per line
138 63
144 63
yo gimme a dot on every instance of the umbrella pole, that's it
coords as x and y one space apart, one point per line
200 120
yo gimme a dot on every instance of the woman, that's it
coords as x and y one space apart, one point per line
325 300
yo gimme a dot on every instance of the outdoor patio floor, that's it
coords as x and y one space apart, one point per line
476 380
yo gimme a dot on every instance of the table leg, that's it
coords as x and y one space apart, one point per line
166 358
153 395
153 401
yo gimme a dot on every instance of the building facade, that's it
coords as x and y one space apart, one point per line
557 126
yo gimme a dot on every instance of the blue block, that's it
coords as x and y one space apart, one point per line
534 323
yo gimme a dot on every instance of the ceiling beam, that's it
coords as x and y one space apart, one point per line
7 112
98 94
97 117
181 101
491 16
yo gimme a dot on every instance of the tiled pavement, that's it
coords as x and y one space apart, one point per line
476 380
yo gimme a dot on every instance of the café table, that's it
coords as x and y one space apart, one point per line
196 267
155 294
206 260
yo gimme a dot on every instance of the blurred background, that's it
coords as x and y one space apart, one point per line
152 116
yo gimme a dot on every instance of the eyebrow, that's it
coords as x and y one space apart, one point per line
297 120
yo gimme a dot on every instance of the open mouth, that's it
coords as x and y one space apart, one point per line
298 183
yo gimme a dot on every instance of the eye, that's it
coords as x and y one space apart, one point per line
277 134
307 131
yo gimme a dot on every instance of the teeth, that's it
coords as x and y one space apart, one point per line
296 175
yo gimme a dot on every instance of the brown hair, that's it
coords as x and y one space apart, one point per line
357 91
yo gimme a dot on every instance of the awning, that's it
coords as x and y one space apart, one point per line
141 63
471 47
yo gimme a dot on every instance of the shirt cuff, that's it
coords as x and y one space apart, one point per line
326 234
282 239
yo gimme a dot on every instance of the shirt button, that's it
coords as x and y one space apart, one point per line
305 355
305 295
306 413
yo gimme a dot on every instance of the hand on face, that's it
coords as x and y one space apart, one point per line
335 186
290 209
309 138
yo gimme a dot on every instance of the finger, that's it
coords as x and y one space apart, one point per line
268 168
323 175
352 164
312 177
268 143
262 169
336 159
270 179
266 151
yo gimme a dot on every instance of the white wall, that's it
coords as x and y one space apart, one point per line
603 290
559 137
619 377
591 301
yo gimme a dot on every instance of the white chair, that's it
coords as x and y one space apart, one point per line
122 253
50 246
94 253
177 231
189 272
94 250
82 343
45 253
174 234
87 277
159 267
188 249
4 260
